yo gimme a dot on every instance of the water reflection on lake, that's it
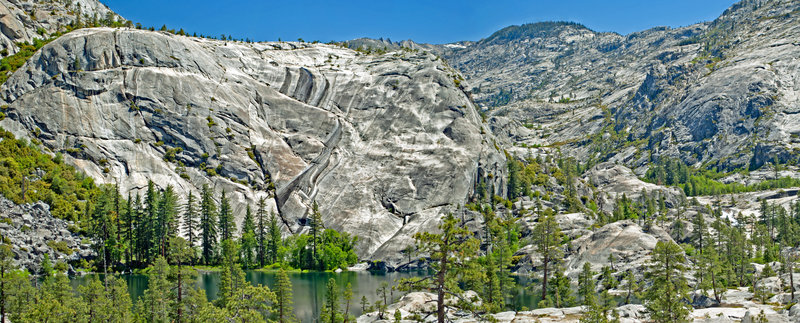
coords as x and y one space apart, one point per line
309 288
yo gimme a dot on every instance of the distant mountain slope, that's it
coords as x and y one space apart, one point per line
721 93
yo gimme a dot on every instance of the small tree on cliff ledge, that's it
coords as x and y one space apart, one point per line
452 254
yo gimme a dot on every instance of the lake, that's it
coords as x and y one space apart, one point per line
309 288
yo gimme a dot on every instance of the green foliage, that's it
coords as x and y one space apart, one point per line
335 250
208 225
283 297
225 216
60 246
452 254
697 182
61 186
191 221
249 243
586 284
560 292
11 63
502 239
599 309
548 239
156 302
666 299
330 312
172 153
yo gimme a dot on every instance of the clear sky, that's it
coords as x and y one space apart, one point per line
428 21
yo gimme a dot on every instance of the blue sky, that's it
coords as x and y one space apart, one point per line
429 21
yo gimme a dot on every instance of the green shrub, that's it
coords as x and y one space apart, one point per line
63 188
60 246
172 153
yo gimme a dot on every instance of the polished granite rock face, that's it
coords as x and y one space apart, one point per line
25 20
384 144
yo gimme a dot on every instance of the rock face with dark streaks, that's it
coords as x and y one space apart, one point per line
384 144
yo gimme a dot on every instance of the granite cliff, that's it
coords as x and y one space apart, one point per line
384 144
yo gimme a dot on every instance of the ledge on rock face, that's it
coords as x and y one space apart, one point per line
384 144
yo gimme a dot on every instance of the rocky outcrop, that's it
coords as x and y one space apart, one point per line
384 144
418 306
629 245
25 20
626 241
32 232
614 180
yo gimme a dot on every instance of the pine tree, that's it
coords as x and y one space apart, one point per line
55 300
631 287
226 225
190 220
700 230
167 220
102 226
94 305
208 223
150 223
317 227
283 293
790 260
599 309
156 303
330 312
120 300
274 243
249 242
250 303
261 232
502 241
364 304
139 243
17 294
713 269
231 277
128 222
560 291
548 243
586 284
451 253
608 279
347 297
180 252
665 299
383 302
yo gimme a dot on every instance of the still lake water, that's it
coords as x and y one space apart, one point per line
309 288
